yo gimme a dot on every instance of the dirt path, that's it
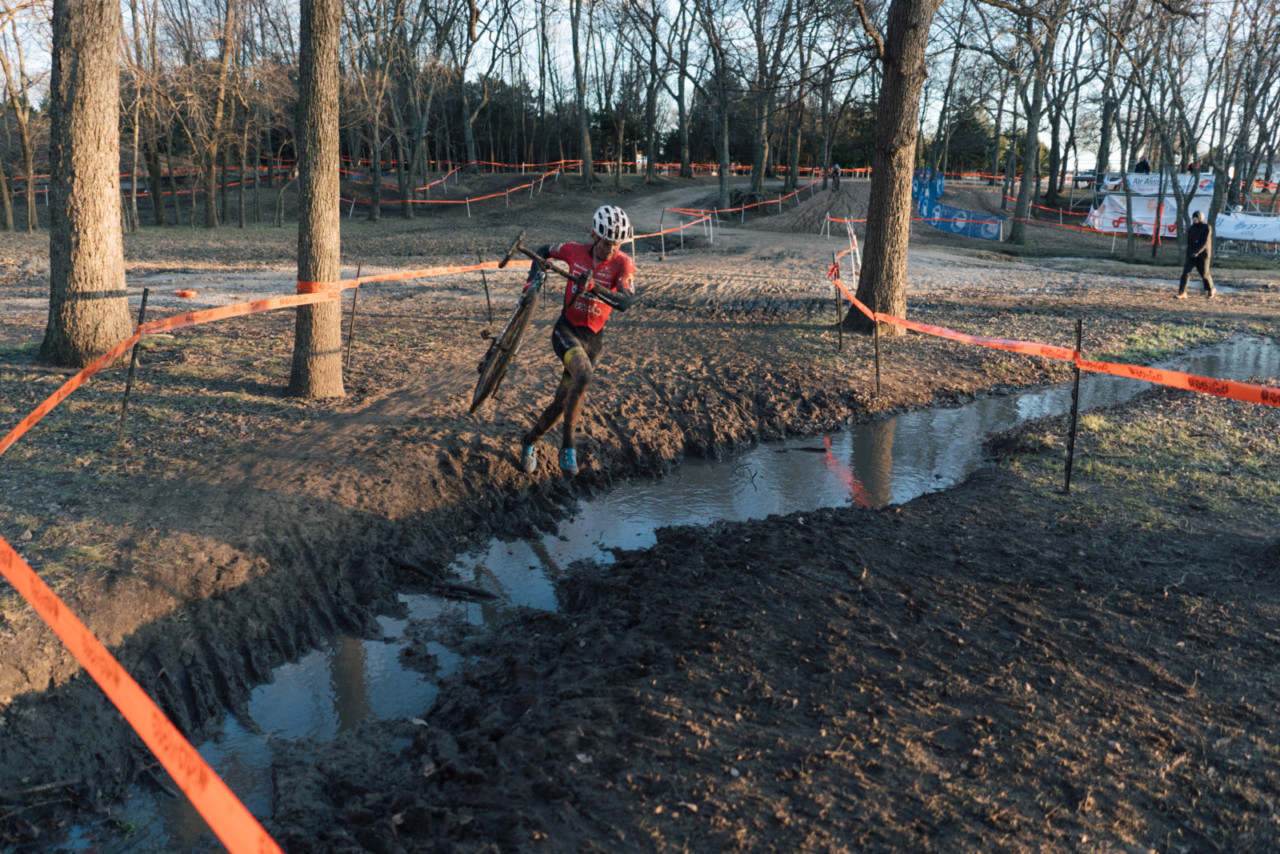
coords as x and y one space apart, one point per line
873 680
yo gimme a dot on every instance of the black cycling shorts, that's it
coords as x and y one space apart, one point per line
567 336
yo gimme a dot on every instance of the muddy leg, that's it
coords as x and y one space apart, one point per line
580 376
551 414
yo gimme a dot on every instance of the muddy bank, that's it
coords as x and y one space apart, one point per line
930 677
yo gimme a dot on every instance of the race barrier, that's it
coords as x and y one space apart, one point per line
662 233
506 194
1232 389
927 187
742 209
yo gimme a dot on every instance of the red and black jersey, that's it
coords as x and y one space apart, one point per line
584 308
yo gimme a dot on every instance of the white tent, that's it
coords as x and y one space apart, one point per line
1111 216
1149 207
1150 184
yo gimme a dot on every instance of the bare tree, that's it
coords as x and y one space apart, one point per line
18 85
1038 28
214 139
653 54
719 86
371 26
774 46
580 30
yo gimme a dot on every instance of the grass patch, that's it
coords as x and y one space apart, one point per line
1169 459
1156 342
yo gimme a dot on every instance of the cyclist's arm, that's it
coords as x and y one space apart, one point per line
620 300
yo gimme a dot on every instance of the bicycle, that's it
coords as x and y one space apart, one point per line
503 349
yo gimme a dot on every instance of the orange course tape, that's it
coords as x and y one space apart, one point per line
1247 392
1231 389
423 274
672 230
65 390
195 318
318 287
229 819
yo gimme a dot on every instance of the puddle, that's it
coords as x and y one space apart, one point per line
889 462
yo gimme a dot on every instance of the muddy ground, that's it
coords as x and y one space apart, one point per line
997 667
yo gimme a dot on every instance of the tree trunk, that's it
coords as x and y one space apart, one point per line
469 132
8 203
1055 156
375 171
882 285
244 168
257 177
759 147
88 307
580 87
215 131
155 177
793 156
29 167
317 345
224 190
173 184
134 223
722 148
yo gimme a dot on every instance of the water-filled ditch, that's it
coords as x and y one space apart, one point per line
891 461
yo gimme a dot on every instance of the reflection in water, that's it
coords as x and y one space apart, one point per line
548 562
872 454
347 676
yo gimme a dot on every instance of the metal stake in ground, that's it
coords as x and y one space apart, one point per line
133 363
351 325
1075 408
875 324
485 277
835 283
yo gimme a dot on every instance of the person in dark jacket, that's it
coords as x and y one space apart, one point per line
1143 167
1199 250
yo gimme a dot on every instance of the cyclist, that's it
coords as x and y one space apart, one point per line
602 282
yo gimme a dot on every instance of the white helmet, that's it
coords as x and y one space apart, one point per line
611 224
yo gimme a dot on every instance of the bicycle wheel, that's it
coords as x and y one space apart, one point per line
504 348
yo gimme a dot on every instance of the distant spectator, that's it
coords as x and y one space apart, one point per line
1143 167
1193 168
1199 250
835 176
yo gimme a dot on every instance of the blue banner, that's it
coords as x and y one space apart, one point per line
960 221
927 187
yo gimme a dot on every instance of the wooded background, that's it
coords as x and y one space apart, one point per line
773 87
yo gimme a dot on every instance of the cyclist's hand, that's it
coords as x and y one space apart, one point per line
584 282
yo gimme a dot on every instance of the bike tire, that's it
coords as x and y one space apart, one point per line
503 349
